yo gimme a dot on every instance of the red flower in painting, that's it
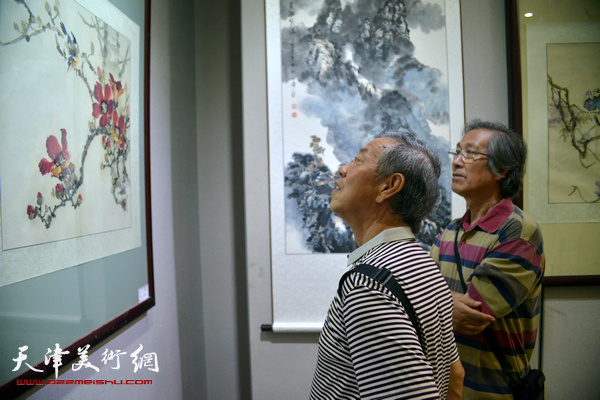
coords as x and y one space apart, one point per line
60 158
59 190
119 130
106 142
32 212
103 109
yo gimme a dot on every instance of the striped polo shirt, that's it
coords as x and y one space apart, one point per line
503 266
368 348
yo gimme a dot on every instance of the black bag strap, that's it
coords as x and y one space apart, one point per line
386 278
458 262
487 334
491 341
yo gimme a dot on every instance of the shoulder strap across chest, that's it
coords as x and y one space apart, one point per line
386 278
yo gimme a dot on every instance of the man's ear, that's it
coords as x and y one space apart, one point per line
501 175
390 186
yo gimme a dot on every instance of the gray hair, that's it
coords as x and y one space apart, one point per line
421 169
506 153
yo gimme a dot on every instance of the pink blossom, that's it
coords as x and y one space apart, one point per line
32 212
104 107
60 158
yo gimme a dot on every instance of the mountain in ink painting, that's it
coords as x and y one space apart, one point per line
351 70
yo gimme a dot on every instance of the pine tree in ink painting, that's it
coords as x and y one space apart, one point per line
309 182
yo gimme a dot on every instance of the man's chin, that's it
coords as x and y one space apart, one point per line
456 189
334 207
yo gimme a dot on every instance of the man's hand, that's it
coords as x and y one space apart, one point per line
467 319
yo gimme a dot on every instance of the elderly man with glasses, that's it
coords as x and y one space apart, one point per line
492 258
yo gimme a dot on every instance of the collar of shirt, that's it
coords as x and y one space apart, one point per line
388 235
493 219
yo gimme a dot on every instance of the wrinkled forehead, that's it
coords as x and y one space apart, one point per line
378 146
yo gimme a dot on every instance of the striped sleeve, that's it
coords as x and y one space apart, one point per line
506 276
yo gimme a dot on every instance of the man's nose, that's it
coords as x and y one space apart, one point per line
342 170
457 161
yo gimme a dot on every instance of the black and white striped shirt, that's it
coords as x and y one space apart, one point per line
368 348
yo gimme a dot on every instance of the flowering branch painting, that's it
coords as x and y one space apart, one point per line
66 97
573 122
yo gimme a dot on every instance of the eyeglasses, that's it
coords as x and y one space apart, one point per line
468 156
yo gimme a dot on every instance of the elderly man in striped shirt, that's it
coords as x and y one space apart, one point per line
493 260
368 348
